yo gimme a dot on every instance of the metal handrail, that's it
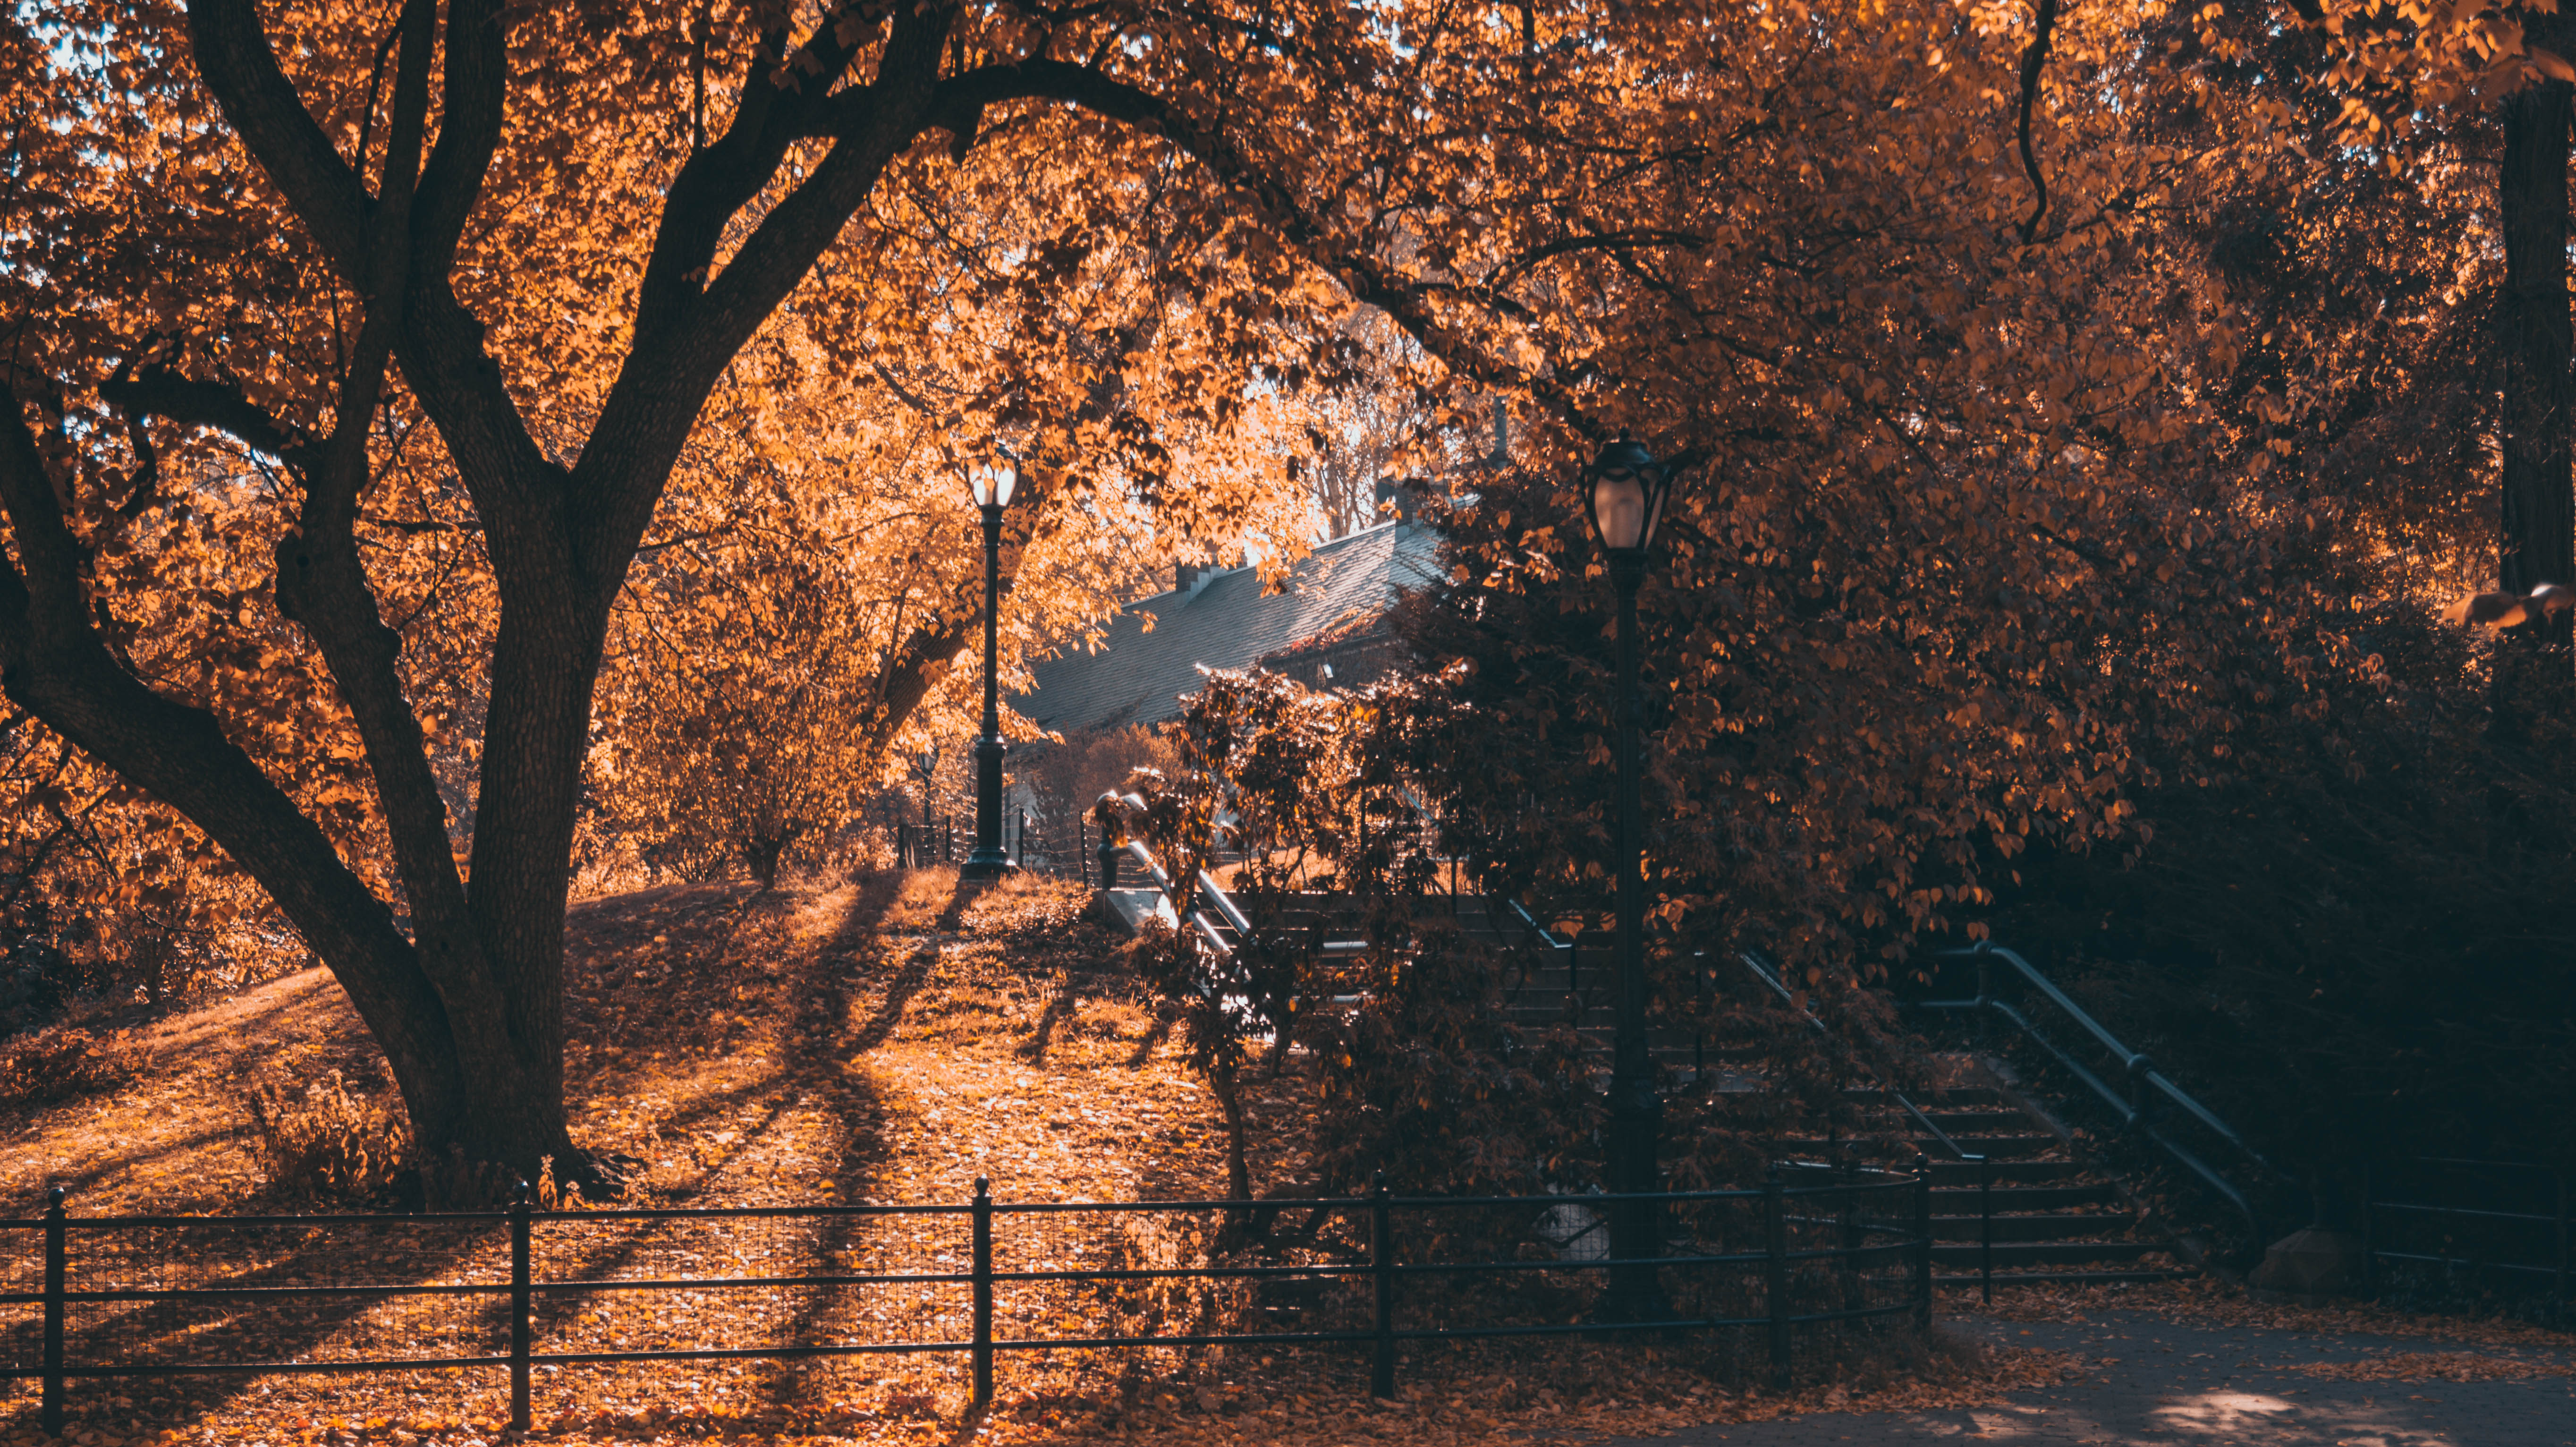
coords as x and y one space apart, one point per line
1762 971
2132 1109
1984 1165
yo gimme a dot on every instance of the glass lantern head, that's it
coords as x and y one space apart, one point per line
993 485
1625 491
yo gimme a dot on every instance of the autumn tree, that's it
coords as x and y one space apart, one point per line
353 507
464 280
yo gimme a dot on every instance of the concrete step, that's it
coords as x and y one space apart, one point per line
1964 1097
2013 1172
1994 1147
1962 1201
1959 1123
2051 1226
2043 1278
2018 1254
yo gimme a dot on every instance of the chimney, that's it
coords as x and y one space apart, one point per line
1185 577
1404 494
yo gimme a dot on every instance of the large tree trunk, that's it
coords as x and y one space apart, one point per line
2538 543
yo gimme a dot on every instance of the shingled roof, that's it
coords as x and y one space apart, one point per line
1226 621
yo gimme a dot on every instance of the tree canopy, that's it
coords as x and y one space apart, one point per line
427 418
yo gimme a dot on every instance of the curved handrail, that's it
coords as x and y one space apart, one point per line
1207 887
1762 971
2131 1109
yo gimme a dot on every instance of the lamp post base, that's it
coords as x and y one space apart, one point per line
986 863
988 860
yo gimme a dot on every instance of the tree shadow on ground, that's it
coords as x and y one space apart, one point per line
820 1000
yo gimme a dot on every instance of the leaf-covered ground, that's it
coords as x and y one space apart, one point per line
885 1041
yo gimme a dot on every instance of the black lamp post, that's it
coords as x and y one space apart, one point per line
992 487
1626 488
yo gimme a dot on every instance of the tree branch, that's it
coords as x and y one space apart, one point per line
469 129
1273 202
685 338
233 52
2034 61
53 664
159 392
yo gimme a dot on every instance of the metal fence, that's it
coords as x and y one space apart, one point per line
2444 1225
86 1298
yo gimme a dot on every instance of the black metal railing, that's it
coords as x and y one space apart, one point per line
2444 1222
1768 973
116 1297
2147 1098
1057 847
921 845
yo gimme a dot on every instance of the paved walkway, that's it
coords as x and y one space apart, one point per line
2175 1386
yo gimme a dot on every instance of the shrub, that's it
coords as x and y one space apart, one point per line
324 1139
64 1063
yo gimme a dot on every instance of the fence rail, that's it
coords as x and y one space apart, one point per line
2475 1219
154 1296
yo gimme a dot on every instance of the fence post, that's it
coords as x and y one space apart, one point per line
1775 1274
2561 1174
1986 1227
519 1304
1382 1273
54 1253
983 1291
2370 1234
1923 1245
1855 1235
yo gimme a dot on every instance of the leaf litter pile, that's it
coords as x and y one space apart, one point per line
884 1042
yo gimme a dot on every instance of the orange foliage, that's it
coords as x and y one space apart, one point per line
430 425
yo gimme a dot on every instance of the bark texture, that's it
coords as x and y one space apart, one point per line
2538 542
2539 532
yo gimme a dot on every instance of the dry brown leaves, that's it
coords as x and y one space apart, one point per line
2215 1303
2430 1367
65 1063
890 1041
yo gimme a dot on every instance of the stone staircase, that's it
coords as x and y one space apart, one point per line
2012 1202
1553 982
2032 1210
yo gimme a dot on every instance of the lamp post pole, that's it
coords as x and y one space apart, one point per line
1636 1112
1627 489
988 861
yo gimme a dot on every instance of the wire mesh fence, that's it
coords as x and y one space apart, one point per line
523 1290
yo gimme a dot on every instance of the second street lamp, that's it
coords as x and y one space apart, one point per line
992 487
1625 488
